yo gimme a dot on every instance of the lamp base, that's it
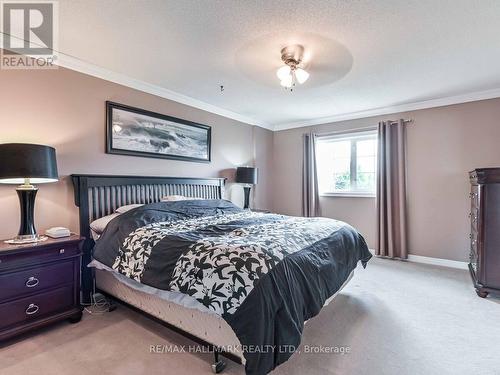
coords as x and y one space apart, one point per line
246 189
30 238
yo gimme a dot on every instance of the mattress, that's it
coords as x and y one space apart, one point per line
206 326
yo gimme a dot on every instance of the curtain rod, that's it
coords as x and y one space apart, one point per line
355 130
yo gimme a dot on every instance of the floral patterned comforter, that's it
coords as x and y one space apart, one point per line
265 274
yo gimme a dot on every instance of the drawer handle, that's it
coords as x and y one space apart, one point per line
32 282
32 309
61 251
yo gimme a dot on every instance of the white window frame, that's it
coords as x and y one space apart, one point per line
349 135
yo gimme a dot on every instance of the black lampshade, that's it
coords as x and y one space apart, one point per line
246 175
22 160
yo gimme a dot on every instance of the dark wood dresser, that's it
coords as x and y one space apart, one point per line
484 259
39 284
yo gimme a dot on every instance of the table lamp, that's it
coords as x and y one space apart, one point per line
247 176
26 164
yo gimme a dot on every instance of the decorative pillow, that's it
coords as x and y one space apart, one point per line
127 207
98 226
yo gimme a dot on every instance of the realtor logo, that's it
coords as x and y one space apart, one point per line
29 34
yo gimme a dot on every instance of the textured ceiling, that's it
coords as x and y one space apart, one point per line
363 54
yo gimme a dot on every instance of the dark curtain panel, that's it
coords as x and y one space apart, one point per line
310 194
391 190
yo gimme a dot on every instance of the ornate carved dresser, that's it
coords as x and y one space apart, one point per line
484 264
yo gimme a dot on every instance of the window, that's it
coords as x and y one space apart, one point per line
347 164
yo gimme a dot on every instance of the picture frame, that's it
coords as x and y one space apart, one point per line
138 132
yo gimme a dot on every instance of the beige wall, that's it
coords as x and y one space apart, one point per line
66 109
443 145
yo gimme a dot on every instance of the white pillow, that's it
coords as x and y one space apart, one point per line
173 198
98 226
127 207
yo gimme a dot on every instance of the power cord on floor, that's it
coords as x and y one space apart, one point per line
99 305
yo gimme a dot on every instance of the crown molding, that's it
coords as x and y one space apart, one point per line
73 63
81 66
432 103
76 64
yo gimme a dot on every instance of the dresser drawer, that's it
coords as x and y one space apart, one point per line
45 254
34 307
19 283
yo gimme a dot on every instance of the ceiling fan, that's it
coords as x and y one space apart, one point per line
291 73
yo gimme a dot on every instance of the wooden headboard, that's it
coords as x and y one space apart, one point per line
100 195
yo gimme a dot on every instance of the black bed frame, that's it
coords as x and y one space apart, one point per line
100 195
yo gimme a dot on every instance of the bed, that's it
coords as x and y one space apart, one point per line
269 313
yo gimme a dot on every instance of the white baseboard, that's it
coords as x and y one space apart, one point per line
434 261
438 262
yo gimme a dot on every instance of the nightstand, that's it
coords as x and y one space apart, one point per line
39 284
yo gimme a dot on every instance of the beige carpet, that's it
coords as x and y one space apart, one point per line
396 318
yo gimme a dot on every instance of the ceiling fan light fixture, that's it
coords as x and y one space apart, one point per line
301 75
287 81
290 74
283 72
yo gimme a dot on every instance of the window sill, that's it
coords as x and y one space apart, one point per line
348 195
